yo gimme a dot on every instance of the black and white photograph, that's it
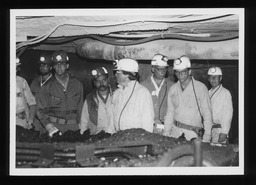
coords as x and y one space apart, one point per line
153 91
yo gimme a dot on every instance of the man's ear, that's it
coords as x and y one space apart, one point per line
67 66
220 78
152 69
189 72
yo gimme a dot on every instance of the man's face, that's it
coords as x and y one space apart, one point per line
214 80
44 69
101 82
60 68
182 75
159 72
120 77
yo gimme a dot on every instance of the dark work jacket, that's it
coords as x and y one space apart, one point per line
92 102
160 103
54 101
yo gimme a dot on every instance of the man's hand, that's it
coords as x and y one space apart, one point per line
52 129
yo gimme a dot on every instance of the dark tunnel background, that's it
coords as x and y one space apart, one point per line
81 68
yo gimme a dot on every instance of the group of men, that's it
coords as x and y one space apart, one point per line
157 104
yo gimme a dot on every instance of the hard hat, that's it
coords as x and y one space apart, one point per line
181 63
159 60
99 71
214 71
59 56
127 64
45 59
17 62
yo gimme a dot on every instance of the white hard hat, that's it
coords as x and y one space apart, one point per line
159 60
127 64
181 63
17 61
214 71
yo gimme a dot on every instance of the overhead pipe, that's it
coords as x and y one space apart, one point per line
172 48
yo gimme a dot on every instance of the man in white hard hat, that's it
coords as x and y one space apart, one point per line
60 101
222 107
189 111
158 85
25 101
97 113
132 102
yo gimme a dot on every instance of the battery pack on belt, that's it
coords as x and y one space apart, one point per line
62 121
216 126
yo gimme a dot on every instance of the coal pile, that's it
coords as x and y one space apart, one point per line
161 145
32 136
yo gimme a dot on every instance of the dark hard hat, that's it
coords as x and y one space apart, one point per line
59 56
99 71
45 59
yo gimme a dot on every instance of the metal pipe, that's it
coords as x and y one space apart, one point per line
198 154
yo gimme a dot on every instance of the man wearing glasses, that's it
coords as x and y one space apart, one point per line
97 112
60 101
158 86
189 111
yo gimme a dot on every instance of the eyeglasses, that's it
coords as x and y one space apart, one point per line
60 64
161 69
44 65
179 73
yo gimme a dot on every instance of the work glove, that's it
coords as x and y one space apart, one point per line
223 138
52 130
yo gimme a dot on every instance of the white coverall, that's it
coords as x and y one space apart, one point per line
105 117
182 107
24 98
138 112
222 110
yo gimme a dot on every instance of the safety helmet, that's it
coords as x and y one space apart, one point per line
181 63
214 71
59 56
127 64
159 60
45 59
17 61
99 71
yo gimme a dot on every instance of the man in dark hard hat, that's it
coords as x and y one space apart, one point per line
97 113
45 71
60 101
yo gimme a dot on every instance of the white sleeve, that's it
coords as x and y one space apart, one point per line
147 110
84 122
227 110
169 118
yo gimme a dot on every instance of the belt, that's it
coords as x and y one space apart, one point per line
66 112
21 115
62 121
187 127
216 126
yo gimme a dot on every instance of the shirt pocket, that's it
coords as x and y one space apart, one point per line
175 100
76 97
55 101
